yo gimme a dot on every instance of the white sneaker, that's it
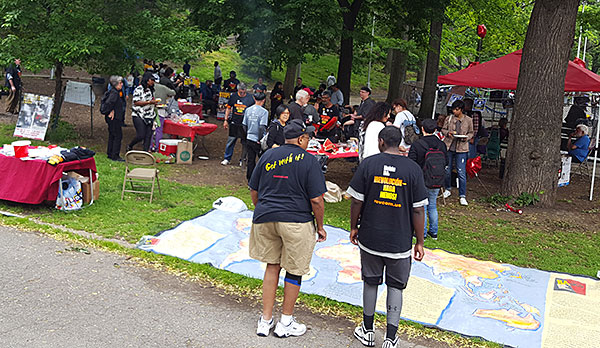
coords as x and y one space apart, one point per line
447 193
224 162
264 327
293 329
388 343
463 201
366 337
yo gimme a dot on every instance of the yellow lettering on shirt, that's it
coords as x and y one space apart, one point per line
388 195
283 161
388 181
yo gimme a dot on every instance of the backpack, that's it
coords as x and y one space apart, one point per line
103 106
411 132
434 168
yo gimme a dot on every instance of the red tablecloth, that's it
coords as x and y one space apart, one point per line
190 108
337 155
35 181
183 130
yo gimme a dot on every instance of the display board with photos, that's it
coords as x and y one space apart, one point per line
34 116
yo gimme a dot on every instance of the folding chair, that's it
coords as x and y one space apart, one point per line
493 147
138 175
584 164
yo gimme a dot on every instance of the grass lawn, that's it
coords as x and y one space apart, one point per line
463 230
314 70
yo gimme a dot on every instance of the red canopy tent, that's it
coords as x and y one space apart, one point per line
503 73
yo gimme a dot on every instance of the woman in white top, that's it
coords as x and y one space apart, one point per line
373 124
402 115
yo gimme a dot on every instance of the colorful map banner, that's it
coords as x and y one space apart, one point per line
515 306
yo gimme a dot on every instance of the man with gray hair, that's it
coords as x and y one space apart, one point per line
234 115
579 148
296 107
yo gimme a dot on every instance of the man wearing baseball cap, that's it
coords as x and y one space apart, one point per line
287 188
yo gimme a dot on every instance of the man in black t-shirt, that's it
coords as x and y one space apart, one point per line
299 86
234 115
388 196
287 188
259 86
231 84
329 114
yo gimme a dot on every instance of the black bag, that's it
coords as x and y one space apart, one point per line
434 168
104 108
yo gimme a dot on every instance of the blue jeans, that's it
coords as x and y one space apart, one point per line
461 168
431 212
231 146
473 148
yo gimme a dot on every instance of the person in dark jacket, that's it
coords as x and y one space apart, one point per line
276 98
114 117
417 153
275 136
13 82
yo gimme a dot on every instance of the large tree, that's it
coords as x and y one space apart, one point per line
94 35
273 34
533 158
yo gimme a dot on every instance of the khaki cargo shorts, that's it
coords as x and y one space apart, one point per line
289 244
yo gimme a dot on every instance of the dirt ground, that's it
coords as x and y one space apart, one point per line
573 210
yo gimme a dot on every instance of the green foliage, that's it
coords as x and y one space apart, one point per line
506 22
102 37
497 199
314 71
526 199
273 33
64 132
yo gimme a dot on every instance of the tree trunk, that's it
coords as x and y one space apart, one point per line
431 71
398 65
58 93
350 12
290 80
536 124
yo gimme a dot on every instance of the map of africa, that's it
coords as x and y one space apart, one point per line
503 303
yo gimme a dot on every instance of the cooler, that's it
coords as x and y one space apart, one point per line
168 147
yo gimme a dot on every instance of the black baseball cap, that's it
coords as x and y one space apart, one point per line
296 128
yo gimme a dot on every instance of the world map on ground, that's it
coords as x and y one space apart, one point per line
503 303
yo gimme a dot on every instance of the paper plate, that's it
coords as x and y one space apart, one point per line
203 157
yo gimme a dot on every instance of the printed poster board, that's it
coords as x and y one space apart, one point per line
34 116
79 93
565 171
479 104
223 99
454 97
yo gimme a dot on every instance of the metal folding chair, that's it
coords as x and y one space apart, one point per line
139 175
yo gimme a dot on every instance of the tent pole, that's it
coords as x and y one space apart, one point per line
595 159
437 88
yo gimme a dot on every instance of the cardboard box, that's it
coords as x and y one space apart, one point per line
86 189
185 151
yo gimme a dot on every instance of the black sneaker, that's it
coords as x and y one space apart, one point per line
118 159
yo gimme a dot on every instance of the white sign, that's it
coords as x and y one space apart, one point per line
34 116
565 171
79 93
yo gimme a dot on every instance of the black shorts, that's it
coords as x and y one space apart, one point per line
397 271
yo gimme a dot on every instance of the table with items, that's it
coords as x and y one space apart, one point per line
329 151
34 178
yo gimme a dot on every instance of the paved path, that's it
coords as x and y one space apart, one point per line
54 296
